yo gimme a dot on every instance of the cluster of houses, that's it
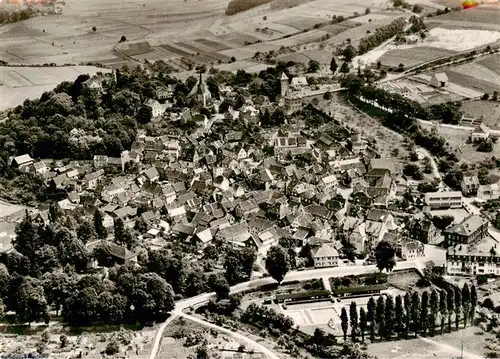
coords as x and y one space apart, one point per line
219 184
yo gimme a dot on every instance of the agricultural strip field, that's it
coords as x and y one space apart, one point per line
457 76
19 83
413 56
215 46
479 15
491 62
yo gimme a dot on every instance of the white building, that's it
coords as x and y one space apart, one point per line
489 191
157 108
481 132
411 250
449 199
325 256
466 259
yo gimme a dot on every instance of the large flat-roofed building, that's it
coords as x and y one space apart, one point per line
471 230
450 199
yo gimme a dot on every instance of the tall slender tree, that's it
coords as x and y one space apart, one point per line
424 312
101 231
370 317
434 310
380 316
473 303
362 322
443 309
450 306
466 303
415 313
353 317
389 316
344 322
458 306
381 326
399 315
407 306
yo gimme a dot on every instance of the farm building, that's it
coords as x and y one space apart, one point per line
481 132
439 80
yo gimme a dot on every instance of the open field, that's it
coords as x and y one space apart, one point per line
413 56
19 83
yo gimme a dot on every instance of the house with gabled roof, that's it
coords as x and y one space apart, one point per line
325 256
157 108
22 163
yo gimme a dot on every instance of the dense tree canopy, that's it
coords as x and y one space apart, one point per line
277 262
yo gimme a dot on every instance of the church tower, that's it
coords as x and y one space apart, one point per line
284 84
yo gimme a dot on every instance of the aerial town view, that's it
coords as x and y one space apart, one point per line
250 179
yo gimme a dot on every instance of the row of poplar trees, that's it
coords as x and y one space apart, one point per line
419 314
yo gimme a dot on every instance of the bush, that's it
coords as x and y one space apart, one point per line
492 354
488 303
423 283
482 279
112 348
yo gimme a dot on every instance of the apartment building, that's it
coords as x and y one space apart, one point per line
471 230
411 250
325 256
467 259
449 199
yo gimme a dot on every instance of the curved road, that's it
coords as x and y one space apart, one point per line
181 305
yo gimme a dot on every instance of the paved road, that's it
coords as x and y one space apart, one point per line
181 305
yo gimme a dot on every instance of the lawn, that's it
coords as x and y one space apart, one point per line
408 349
470 337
